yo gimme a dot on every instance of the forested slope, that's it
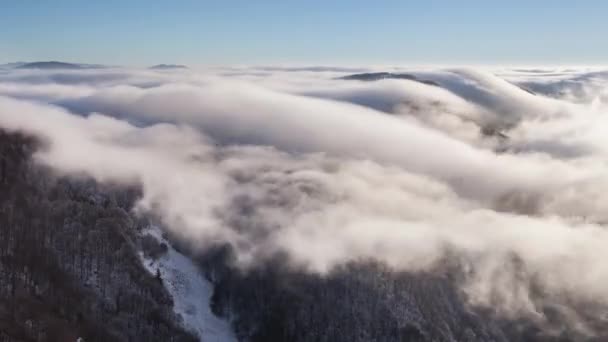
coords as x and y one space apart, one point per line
68 263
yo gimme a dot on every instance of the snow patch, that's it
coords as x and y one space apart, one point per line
190 290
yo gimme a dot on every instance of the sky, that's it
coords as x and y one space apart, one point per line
305 32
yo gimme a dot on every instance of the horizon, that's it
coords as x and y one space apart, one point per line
372 67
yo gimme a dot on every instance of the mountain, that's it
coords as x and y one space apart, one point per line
50 65
54 65
360 302
376 76
69 265
168 67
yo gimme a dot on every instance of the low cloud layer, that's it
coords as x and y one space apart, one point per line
503 176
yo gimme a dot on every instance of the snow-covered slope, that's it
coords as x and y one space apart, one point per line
190 290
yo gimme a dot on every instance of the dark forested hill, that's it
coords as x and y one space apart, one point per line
68 263
367 301
358 302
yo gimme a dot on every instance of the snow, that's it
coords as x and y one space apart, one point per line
191 292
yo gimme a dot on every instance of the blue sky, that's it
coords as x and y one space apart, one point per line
305 32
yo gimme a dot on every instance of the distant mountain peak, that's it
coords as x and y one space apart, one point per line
376 76
168 66
50 65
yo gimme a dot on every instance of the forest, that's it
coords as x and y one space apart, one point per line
68 263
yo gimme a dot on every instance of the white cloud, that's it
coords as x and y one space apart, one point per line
329 171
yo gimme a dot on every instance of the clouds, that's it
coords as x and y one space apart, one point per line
326 171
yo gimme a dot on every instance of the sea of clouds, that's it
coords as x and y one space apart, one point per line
501 172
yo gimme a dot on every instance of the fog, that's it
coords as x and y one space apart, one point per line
502 173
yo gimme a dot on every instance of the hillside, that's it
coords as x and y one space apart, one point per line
68 259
